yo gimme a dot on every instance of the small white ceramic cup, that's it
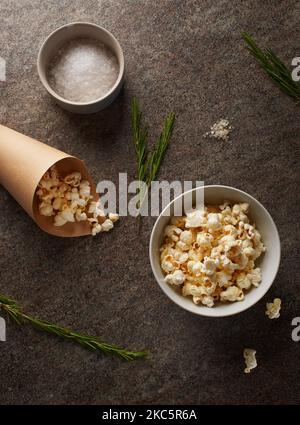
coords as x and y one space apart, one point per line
70 32
268 262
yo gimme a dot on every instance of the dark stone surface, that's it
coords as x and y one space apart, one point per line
185 56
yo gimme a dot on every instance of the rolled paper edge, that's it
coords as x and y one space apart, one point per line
23 162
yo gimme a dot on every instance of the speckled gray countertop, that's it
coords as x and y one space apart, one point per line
185 56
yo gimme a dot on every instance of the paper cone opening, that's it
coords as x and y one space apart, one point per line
23 162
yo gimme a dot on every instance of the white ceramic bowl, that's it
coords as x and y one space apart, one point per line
268 262
70 32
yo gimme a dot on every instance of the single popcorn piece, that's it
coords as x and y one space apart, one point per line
168 263
250 359
206 300
204 240
197 268
209 266
113 217
215 249
59 203
46 209
273 309
68 215
97 228
180 245
186 237
59 220
107 225
197 291
181 257
69 200
177 278
223 278
95 208
195 219
73 179
172 232
232 293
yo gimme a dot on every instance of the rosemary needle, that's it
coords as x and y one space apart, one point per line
13 310
156 157
148 163
274 67
140 135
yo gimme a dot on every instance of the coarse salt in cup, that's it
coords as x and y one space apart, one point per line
81 65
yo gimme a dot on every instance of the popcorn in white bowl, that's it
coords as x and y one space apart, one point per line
229 252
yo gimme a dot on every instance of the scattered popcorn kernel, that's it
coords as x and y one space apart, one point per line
113 217
273 309
97 228
107 225
250 359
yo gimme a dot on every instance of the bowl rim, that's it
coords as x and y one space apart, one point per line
52 92
206 312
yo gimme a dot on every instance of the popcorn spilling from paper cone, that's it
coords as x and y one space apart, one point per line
54 188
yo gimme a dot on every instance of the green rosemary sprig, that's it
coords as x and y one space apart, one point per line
13 310
274 67
140 135
156 157
148 163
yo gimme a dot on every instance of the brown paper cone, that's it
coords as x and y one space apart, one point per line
23 162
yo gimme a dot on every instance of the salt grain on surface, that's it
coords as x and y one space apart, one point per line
220 129
83 70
